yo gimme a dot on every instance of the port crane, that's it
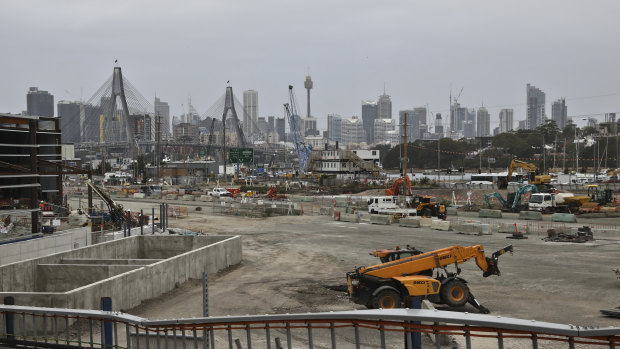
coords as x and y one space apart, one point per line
302 149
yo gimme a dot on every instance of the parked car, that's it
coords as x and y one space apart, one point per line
220 192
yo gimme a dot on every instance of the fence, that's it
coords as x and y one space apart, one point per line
50 327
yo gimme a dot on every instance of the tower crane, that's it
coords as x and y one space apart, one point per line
302 149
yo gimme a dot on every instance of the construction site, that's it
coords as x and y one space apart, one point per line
331 247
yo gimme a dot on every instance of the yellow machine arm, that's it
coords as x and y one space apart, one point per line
437 259
520 164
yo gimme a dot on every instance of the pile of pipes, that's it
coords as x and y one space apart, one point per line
583 234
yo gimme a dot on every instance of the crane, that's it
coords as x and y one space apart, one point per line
388 284
302 149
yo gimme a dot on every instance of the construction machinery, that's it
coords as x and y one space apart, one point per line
273 194
117 213
429 206
543 182
394 283
302 149
513 200
401 186
597 199
387 255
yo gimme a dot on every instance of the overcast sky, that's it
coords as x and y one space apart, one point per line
418 49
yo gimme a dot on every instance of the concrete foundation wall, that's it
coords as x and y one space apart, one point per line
66 277
128 289
63 241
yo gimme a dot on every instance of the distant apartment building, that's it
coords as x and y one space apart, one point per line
506 120
186 132
334 127
353 131
250 110
483 120
310 126
559 113
317 142
369 115
383 131
69 113
39 102
522 125
416 123
438 125
535 107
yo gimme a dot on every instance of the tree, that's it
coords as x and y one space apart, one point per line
108 167
549 129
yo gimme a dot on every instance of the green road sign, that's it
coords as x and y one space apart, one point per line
241 155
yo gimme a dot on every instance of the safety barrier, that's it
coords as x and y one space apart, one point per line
50 327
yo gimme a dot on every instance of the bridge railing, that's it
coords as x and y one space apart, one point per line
54 328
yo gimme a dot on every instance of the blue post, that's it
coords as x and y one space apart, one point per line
153 219
141 222
161 216
416 337
128 223
106 305
124 229
10 321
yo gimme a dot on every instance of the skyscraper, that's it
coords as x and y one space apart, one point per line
438 125
506 120
484 122
250 111
39 102
69 113
334 127
353 131
535 107
384 107
308 85
162 110
383 129
281 129
369 115
559 113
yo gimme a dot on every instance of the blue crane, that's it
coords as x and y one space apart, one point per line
302 149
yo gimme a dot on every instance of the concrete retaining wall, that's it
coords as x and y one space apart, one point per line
128 289
63 241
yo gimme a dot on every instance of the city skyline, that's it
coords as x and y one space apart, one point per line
345 70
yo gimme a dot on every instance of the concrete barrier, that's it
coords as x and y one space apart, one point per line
485 229
326 211
410 222
381 219
172 197
468 228
531 215
347 217
188 197
205 198
139 195
439 224
486 213
425 222
510 228
452 211
564 217
593 215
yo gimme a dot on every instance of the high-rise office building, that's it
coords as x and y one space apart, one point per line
535 107
69 113
559 113
483 120
438 125
383 131
506 120
384 107
281 129
522 125
162 111
369 115
271 122
334 127
39 102
250 110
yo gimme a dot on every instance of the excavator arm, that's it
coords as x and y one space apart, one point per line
520 164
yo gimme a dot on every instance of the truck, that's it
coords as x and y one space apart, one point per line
388 205
217 192
392 284
549 202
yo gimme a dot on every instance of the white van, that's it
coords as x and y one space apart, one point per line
377 203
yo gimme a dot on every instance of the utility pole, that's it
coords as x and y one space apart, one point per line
439 159
405 141
157 161
544 155
564 156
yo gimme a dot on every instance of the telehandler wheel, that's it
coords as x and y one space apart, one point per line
426 213
387 299
454 293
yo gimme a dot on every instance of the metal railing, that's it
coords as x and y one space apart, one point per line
50 327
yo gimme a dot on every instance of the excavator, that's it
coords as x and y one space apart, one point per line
117 212
401 186
543 182
513 200
390 284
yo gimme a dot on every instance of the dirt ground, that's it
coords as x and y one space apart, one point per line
298 264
